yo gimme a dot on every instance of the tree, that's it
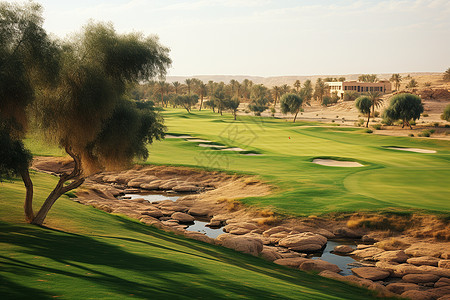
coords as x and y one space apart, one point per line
363 104
376 99
396 79
284 89
202 89
446 76
368 78
350 95
320 89
232 104
404 107
189 82
412 84
306 93
446 114
176 86
341 79
260 97
291 103
187 101
276 94
297 85
87 113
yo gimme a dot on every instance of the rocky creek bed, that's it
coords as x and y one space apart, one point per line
416 268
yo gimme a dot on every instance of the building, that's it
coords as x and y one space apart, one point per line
383 86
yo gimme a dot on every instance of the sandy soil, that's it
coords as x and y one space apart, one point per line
337 163
413 150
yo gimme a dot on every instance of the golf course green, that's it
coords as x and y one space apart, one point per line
391 180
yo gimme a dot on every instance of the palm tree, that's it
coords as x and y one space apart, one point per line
297 85
189 83
376 99
202 89
320 89
276 94
176 86
396 79
284 89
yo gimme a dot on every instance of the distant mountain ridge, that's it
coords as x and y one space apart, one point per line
280 80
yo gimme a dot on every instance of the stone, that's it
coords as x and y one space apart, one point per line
331 275
371 273
274 230
185 188
441 272
239 231
347 233
199 237
442 282
444 263
305 241
367 253
368 239
398 256
363 246
422 249
198 211
293 262
404 269
243 244
319 265
154 185
420 278
155 213
417 295
440 292
343 249
445 297
423 260
270 254
182 217
136 182
401 287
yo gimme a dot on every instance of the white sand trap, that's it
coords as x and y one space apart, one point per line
418 150
252 154
336 163
211 146
169 136
198 140
233 149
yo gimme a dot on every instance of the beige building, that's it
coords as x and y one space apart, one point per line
383 86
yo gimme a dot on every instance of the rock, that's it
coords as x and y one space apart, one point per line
199 237
136 182
401 287
371 273
368 239
404 269
168 185
170 223
149 220
214 223
440 292
445 297
363 246
155 213
445 263
293 262
331 275
182 217
343 249
442 282
423 260
154 185
276 237
198 211
417 295
422 249
420 278
131 191
185 188
367 253
270 254
167 213
319 265
398 256
441 272
306 241
274 230
445 255
347 233
243 244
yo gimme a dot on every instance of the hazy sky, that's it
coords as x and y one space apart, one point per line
271 38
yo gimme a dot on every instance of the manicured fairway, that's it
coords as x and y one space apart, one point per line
390 179
89 254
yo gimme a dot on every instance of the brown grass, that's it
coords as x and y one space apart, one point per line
392 244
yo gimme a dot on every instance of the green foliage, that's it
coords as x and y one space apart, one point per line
404 107
368 78
446 114
376 126
363 104
187 101
232 105
291 103
260 97
368 131
446 76
396 79
320 89
306 92
425 133
412 84
350 95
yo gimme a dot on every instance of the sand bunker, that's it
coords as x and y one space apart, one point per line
418 150
198 140
169 136
233 149
211 146
252 154
336 163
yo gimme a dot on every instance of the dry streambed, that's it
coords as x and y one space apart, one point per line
417 270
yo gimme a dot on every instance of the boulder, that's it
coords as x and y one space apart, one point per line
276 237
442 282
270 254
199 237
199 211
363 246
367 253
185 188
440 292
441 272
371 273
305 241
345 232
293 262
136 182
343 249
182 217
368 239
444 263
417 295
422 249
168 185
401 287
319 265
423 260
154 185
242 244
398 256
331 275
274 230
420 278
155 213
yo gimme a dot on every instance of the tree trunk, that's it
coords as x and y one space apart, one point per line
201 102
368 118
234 116
295 117
28 205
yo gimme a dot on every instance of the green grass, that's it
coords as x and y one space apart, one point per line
85 253
391 180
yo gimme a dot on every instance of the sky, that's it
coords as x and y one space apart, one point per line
276 38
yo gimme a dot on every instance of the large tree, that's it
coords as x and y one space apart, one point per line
368 78
446 113
233 105
320 89
396 79
405 107
376 99
363 104
291 103
260 97
306 92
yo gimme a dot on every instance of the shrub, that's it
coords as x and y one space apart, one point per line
425 115
350 96
376 114
368 131
425 133
411 135
436 124
376 126
387 122
446 114
332 121
432 131
447 126
360 122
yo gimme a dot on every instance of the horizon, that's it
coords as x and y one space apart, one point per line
267 38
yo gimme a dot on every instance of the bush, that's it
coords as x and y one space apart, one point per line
350 96
447 126
360 122
411 135
412 122
376 126
436 124
387 122
432 131
332 121
368 131
376 114
446 114
424 115
425 133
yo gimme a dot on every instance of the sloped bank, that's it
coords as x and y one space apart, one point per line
402 266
